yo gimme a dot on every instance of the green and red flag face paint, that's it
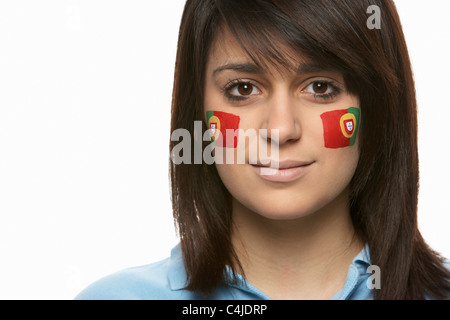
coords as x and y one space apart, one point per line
340 127
220 124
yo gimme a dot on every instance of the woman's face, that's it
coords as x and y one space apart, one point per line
290 102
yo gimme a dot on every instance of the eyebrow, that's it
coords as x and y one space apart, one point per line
244 67
311 68
252 68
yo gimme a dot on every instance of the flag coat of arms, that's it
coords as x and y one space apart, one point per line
340 127
220 124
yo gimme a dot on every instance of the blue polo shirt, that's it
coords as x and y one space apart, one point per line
166 279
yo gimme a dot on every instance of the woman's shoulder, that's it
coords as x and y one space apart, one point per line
132 283
147 282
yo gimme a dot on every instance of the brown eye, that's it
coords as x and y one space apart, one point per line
320 87
245 89
239 90
322 90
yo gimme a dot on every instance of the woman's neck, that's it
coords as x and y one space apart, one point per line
306 258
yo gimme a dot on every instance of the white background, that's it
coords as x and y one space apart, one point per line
85 92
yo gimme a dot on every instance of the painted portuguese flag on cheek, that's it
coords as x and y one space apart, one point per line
223 128
340 127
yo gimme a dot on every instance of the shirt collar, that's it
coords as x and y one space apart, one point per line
178 278
356 271
363 257
177 272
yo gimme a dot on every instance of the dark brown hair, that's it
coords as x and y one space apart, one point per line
376 67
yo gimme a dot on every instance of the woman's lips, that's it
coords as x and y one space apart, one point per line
285 171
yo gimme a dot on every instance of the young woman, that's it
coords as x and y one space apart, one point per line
336 216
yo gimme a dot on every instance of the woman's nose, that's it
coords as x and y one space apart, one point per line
281 116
